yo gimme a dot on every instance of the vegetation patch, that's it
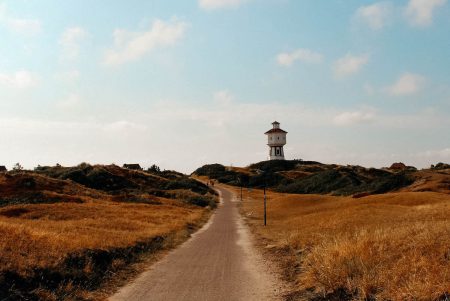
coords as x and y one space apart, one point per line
83 271
66 231
310 177
391 246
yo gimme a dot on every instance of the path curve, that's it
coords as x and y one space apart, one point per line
219 262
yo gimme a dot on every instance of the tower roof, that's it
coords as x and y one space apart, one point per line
275 131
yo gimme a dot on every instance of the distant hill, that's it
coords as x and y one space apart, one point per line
85 182
310 177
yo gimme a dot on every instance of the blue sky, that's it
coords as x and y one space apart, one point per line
185 83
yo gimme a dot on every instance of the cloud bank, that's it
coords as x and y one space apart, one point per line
407 84
286 59
20 79
218 4
376 16
25 26
70 42
131 46
349 65
420 12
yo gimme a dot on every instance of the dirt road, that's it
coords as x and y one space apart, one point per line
217 263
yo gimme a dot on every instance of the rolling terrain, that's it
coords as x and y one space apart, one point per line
66 231
364 245
309 177
336 232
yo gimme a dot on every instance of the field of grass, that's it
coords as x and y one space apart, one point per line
393 246
73 246
60 240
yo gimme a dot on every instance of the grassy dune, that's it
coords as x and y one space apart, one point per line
60 240
393 246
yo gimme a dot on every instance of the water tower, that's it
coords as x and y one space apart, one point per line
276 139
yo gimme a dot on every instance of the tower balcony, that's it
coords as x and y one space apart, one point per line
276 143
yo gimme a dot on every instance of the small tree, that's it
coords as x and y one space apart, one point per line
17 167
154 168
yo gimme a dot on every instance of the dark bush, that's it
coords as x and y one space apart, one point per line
171 174
93 177
220 173
323 182
187 183
275 165
441 165
346 181
265 179
210 170
390 183
201 201
281 165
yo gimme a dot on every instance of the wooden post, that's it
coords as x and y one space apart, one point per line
241 191
265 206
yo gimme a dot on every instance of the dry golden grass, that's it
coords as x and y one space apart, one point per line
63 241
392 246
42 235
431 180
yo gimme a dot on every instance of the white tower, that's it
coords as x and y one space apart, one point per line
276 139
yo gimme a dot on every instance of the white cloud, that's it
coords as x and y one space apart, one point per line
441 153
41 125
70 42
25 26
407 84
432 156
20 25
225 112
305 55
233 134
124 125
68 76
354 117
131 46
71 102
375 15
420 12
217 4
223 97
349 65
21 79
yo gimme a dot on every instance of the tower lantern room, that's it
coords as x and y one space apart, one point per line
276 139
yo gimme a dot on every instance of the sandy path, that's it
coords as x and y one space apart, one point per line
218 263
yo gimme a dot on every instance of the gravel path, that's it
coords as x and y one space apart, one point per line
218 263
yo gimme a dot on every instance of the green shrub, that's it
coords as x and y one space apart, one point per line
390 183
187 183
201 201
268 179
322 182
219 173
